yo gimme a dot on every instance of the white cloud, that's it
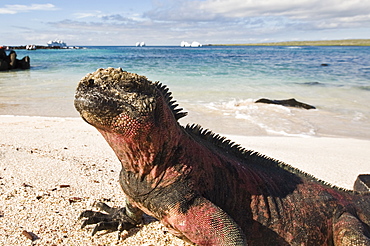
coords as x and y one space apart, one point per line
88 15
294 9
97 16
234 10
220 21
17 8
258 18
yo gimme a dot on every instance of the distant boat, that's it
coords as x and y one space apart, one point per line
31 47
196 44
140 44
184 44
193 44
57 43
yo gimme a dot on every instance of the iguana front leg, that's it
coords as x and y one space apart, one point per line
204 223
112 219
349 230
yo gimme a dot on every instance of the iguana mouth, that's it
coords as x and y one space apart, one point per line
107 93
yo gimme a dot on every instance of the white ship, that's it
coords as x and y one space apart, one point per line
57 43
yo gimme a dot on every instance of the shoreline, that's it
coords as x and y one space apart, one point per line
230 125
52 168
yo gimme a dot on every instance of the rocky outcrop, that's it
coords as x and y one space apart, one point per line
8 62
288 103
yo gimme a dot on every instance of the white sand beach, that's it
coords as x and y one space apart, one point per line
51 169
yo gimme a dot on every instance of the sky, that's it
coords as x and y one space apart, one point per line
168 22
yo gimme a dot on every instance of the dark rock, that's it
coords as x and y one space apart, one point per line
288 103
3 55
313 83
10 61
4 60
4 65
24 63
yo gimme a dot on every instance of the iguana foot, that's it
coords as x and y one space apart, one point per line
110 219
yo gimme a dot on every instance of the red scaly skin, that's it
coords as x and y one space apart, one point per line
205 189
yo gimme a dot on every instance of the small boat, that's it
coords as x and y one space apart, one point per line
184 44
196 44
30 47
193 44
140 44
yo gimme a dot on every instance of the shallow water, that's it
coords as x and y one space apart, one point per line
217 85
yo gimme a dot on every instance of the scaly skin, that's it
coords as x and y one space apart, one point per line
203 187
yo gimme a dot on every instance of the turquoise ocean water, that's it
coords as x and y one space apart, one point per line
217 85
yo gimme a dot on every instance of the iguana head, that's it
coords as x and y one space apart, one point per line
116 101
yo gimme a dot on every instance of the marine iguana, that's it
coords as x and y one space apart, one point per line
202 186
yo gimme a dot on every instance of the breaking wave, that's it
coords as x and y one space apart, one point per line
273 119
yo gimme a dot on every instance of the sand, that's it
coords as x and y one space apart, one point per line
51 169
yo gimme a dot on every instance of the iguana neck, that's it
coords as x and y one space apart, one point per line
147 153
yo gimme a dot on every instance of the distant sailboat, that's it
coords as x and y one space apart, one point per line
140 44
196 44
31 47
184 44
193 44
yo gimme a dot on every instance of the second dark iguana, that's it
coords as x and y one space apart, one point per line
203 187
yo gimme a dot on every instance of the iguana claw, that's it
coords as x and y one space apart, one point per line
111 219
